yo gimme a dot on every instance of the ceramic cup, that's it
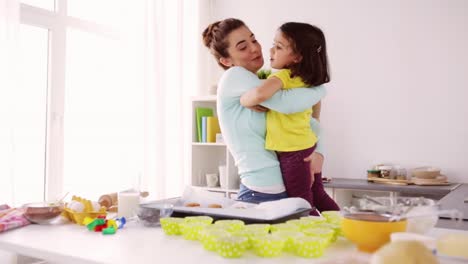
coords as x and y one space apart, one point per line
212 179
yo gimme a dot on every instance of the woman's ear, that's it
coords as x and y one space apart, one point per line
226 62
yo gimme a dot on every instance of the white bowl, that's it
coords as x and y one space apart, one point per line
43 212
426 172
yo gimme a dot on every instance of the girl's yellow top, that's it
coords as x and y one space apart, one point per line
289 132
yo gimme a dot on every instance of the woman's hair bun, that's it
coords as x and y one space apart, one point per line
208 34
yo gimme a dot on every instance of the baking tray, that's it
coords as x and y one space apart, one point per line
248 220
219 214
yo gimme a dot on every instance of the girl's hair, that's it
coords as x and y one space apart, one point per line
215 37
309 42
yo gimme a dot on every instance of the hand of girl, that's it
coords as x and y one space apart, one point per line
258 108
316 163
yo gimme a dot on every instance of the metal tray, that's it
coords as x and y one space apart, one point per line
182 211
295 215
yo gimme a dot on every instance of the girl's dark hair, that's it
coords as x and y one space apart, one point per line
215 37
309 42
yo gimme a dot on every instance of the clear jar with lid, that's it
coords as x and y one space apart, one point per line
402 174
385 171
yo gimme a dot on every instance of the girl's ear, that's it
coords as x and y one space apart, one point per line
226 61
297 59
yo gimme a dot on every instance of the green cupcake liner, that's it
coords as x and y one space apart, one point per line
191 230
231 246
331 214
230 225
309 247
268 245
250 234
333 217
296 222
171 225
260 227
335 227
326 233
310 221
199 219
306 222
284 227
207 229
209 237
290 236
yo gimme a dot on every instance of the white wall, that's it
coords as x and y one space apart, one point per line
399 78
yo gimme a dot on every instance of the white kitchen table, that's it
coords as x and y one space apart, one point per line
73 244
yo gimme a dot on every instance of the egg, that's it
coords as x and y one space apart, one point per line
76 206
96 206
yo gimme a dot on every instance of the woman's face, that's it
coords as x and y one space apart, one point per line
282 54
244 50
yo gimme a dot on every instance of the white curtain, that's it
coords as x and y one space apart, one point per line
9 29
173 40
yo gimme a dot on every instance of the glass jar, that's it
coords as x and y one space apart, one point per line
401 174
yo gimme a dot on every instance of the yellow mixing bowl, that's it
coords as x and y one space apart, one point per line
370 231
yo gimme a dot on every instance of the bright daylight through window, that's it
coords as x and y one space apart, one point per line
97 97
77 120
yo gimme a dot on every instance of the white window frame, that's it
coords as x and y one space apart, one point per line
57 22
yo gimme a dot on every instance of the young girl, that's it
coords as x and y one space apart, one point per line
299 52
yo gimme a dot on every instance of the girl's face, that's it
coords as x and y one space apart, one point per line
243 50
282 54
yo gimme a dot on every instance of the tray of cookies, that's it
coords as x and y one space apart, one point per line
201 202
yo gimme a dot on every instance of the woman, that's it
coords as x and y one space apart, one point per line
237 51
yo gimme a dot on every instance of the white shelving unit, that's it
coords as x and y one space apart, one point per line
207 157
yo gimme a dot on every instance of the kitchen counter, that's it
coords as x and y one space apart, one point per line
73 244
363 184
453 195
452 224
457 199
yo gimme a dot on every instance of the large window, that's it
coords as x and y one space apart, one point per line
100 104
45 4
30 116
109 12
103 116
79 123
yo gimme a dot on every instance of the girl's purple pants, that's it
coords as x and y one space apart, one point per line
297 180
